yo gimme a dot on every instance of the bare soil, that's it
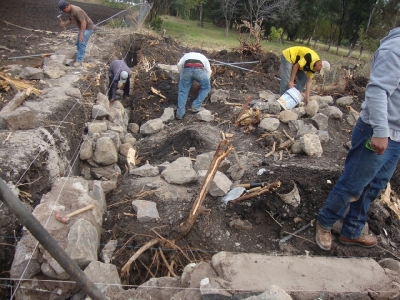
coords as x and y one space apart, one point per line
270 218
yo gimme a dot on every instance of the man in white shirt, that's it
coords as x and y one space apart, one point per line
193 66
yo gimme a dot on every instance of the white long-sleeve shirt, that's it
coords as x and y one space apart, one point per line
198 56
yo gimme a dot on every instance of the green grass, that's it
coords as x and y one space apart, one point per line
211 37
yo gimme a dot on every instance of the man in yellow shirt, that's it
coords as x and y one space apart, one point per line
301 63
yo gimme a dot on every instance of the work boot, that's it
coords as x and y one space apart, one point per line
323 237
365 240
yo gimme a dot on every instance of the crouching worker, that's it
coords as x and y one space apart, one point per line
120 75
300 63
193 66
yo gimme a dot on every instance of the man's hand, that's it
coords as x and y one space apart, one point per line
379 145
81 38
290 84
112 100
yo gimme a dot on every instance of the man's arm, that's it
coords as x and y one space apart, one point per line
64 24
113 90
293 75
82 31
308 88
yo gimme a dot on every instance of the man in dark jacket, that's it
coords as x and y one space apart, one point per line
374 154
120 75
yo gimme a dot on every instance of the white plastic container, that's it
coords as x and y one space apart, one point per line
290 98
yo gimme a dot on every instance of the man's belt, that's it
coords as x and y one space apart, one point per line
194 65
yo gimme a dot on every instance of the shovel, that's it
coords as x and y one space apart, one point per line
233 194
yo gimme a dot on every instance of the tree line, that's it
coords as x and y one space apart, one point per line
352 23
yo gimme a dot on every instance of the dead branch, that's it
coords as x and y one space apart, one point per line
237 159
280 225
248 99
170 269
126 267
263 190
17 100
288 237
272 151
223 150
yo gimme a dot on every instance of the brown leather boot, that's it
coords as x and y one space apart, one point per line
323 237
365 240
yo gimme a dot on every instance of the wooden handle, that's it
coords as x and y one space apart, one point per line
80 210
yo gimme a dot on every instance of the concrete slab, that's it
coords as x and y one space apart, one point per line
304 276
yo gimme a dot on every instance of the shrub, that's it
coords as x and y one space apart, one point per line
275 34
156 24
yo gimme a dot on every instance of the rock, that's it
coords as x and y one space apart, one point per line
390 263
344 101
168 115
295 125
352 117
97 193
146 210
211 288
114 136
107 173
22 118
159 288
103 274
102 100
25 261
180 172
86 151
219 96
96 127
53 69
74 92
267 95
220 185
324 101
107 252
83 242
31 73
273 293
287 115
269 124
300 111
152 126
311 108
133 127
307 128
332 112
323 136
99 112
205 115
296 148
320 121
55 58
105 152
128 139
145 171
311 145
274 107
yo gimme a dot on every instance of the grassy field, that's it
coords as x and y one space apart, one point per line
212 38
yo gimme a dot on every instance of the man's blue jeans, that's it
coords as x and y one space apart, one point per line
286 72
187 77
365 175
81 46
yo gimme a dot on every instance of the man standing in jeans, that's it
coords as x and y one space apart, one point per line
193 66
85 26
375 151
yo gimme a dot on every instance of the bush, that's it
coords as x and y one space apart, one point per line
275 34
156 24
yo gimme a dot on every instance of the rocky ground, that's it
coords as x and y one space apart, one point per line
262 220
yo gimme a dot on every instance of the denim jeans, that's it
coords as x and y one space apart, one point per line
286 72
365 175
81 46
187 77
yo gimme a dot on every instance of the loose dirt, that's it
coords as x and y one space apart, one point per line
270 219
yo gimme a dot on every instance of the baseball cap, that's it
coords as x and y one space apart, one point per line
62 4
325 67
123 76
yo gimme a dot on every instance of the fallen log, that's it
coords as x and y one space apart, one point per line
223 150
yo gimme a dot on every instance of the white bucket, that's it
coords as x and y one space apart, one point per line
290 98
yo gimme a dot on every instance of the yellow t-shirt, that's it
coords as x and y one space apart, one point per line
305 57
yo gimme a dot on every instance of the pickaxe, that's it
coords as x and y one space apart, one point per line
66 218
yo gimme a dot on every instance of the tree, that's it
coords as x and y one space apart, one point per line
228 8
